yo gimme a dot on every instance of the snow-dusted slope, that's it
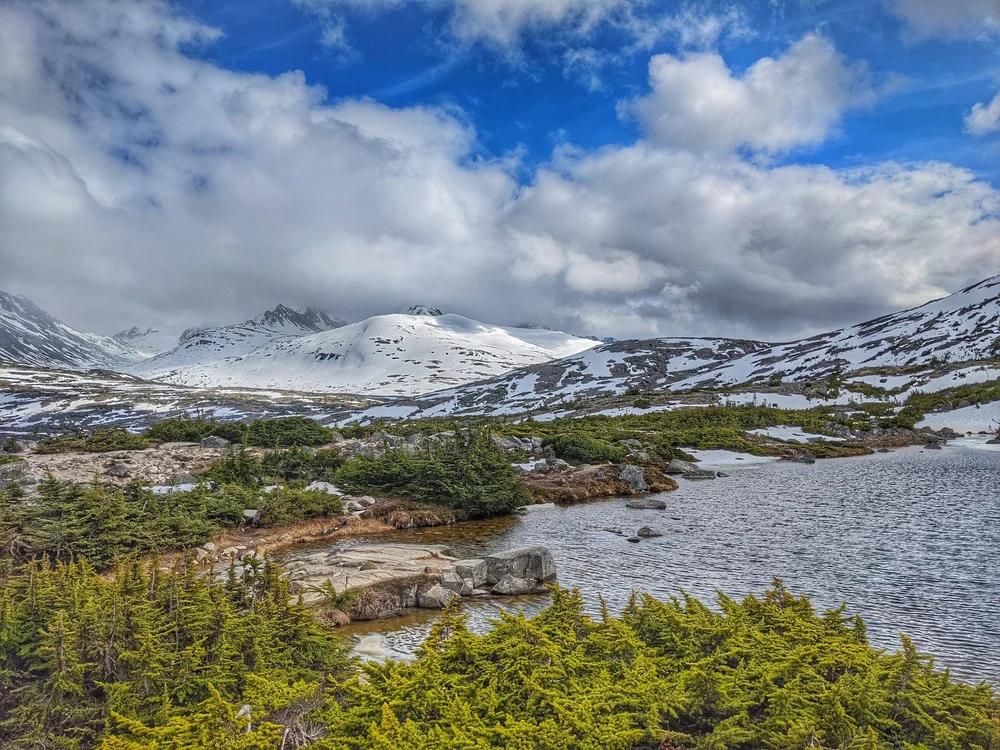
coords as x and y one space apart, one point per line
148 342
383 355
962 327
202 347
30 336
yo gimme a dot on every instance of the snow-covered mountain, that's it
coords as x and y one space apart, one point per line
30 336
928 341
962 327
405 354
202 347
147 342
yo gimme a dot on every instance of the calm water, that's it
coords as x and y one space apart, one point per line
910 540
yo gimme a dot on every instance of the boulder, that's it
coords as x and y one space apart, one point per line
634 539
474 570
507 444
640 455
214 441
614 531
647 533
631 442
634 477
698 475
646 504
802 458
436 597
117 470
14 446
210 546
12 472
721 475
557 464
934 446
251 515
534 563
995 441
513 586
200 554
452 581
676 466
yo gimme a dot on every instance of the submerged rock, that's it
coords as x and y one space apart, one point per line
647 533
646 504
676 466
699 475
436 597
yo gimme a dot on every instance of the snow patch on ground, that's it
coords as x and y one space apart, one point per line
792 434
967 419
722 459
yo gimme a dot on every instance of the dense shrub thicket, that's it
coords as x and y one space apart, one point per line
584 449
177 650
96 441
264 433
762 673
294 465
469 473
66 521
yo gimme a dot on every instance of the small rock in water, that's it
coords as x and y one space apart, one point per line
614 531
676 466
721 474
634 539
699 475
646 505
647 533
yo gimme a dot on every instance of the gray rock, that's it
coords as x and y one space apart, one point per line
513 586
436 597
934 446
635 477
646 504
698 475
507 444
802 458
14 446
557 464
474 570
993 442
210 546
12 472
366 501
640 455
452 581
117 470
251 515
631 442
721 475
200 554
633 539
522 562
186 479
676 466
214 441
647 533
614 531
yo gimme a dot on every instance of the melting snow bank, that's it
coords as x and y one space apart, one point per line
712 459
793 435
981 417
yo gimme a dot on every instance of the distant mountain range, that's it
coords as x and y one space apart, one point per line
426 363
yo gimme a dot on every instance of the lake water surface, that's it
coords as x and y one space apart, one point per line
910 540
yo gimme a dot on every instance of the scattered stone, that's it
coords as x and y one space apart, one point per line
474 570
436 597
513 586
522 562
721 475
117 470
699 475
619 532
452 581
635 477
366 501
557 464
200 555
213 441
646 504
647 533
229 552
640 455
633 539
676 466
210 546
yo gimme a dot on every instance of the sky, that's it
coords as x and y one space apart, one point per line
627 168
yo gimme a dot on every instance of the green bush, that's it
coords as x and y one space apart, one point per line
303 465
194 430
284 505
585 449
469 473
268 433
98 441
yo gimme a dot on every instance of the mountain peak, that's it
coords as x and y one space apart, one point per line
423 310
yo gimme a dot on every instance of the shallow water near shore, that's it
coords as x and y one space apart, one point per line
909 540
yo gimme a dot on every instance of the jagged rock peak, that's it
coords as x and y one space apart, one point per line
133 333
308 318
423 310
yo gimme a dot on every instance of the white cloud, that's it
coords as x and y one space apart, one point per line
777 104
949 17
139 185
984 118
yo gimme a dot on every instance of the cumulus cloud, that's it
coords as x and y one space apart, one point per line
142 185
984 118
947 18
780 103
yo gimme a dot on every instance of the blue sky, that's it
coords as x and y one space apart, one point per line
526 97
766 169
